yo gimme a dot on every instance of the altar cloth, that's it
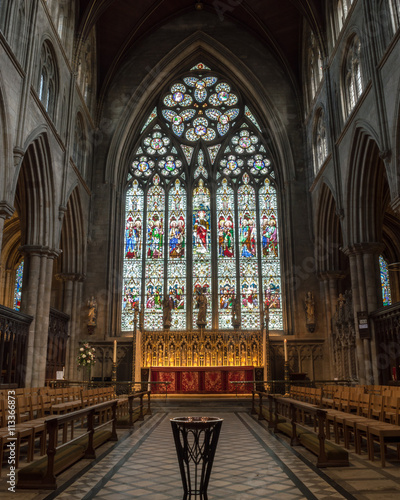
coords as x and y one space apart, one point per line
202 380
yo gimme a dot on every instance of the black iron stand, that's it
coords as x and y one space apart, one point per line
196 441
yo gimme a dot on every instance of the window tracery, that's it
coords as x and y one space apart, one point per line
210 218
353 82
47 88
394 6
320 141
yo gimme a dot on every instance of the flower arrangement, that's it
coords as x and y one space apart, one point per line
86 355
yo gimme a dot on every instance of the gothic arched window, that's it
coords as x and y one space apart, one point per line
394 6
385 282
201 211
320 141
78 154
18 286
314 65
353 83
47 88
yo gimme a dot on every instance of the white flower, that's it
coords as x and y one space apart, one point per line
81 349
83 355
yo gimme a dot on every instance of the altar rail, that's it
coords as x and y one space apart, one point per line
14 328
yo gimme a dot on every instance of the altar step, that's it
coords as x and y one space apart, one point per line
202 403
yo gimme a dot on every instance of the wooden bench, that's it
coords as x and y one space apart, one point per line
127 414
282 415
41 474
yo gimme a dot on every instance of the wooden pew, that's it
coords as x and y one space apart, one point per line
42 473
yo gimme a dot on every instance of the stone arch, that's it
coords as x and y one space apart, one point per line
198 46
365 188
35 196
328 231
5 147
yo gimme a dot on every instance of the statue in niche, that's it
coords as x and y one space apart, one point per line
309 306
92 314
184 355
172 355
168 305
148 355
201 304
236 312
341 308
230 354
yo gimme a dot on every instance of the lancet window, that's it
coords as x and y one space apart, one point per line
201 212
385 282
18 286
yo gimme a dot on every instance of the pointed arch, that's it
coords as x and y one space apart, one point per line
329 237
198 47
72 239
34 195
365 189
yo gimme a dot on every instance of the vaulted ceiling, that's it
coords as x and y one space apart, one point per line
122 23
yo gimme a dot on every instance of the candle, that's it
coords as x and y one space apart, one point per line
115 352
285 349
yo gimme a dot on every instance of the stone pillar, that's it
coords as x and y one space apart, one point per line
29 300
364 269
70 287
35 301
42 321
350 252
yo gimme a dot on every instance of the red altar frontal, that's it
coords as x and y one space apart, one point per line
195 380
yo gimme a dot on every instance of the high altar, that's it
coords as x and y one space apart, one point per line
204 361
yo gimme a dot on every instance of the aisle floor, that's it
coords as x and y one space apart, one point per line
250 463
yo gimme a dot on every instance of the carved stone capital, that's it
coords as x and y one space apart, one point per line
396 205
6 210
373 247
69 277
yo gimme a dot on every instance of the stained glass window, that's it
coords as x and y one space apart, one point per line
248 262
385 282
226 253
18 286
201 247
271 267
201 210
177 254
154 274
133 244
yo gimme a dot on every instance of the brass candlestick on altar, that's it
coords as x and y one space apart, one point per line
287 380
114 364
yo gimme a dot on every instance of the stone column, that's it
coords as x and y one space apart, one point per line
42 320
373 294
351 253
70 287
29 300
365 281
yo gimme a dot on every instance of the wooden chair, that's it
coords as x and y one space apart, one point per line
391 410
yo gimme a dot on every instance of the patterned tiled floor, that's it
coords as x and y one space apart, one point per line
250 463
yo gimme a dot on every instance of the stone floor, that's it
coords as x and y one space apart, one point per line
250 463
